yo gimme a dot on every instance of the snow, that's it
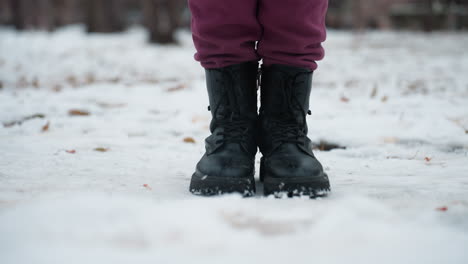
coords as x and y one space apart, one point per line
396 100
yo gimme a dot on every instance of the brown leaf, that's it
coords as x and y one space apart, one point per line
71 151
427 159
57 88
351 83
101 149
198 118
390 140
90 78
111 105
9 124
344 99
189 140
78 112
384 99
374 91
19 122
72 80
458 122
45 128
114 80
178 87
35 83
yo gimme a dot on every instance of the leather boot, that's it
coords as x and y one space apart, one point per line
288 164
228 164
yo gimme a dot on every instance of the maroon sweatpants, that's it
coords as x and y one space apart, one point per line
288 32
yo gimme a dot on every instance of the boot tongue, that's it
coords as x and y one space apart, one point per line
286 112
286 101
228 113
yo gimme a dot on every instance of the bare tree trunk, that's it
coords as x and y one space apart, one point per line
68 12
104 15
32 14
366 12
19 18
162 18
44 14
5 12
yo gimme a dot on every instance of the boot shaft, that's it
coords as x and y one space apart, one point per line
285 94
285 90
232 91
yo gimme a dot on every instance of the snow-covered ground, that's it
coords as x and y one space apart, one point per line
112 186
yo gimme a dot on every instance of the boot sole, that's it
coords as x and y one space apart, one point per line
293 186
206 185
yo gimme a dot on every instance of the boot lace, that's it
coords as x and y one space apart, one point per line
286 128
235 126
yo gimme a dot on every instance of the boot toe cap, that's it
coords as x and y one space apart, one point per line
226 166
303 166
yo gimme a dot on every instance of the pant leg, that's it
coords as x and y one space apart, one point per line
293 31
224 31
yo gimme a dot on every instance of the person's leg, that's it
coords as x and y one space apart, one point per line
224 32
290 46
293 31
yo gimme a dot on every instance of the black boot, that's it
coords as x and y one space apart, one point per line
229 162
288 164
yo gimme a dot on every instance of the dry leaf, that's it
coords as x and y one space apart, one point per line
351 83
45 128
22 82
100 149
90 78
177 87
324 145
344 99
111 105
57 88
390 140
19 122
114 80
458 122
374 91
72 80
427 159
35 83
384 99
9 124
71 151
189 140
197 119
77 112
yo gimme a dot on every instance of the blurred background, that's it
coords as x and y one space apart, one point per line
163 17
102 124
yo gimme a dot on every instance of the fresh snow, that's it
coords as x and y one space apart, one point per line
398 102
